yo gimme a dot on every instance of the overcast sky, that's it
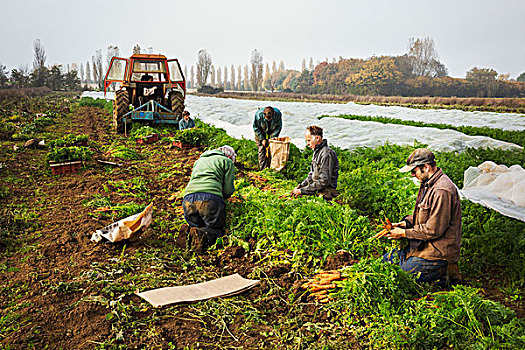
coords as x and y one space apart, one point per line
467 33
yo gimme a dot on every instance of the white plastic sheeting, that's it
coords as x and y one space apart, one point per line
497 187
236 117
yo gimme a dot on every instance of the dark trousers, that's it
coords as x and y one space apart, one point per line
265 158
328 193
206 212
428 270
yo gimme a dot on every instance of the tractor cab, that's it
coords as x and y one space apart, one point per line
153 85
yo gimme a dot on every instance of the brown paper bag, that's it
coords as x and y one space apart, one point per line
280 151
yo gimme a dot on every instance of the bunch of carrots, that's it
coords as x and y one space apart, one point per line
319 285
386 228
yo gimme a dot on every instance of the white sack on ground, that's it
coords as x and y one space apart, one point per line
123 229
497 187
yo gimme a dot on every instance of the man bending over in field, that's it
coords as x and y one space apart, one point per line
267 124
210 183
322 178
434 229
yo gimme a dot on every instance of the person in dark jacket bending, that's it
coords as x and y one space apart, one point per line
433 230
267 124
322 178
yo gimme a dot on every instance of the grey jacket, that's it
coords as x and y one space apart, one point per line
434 229
323 171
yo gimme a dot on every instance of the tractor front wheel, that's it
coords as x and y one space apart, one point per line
120 107
177 104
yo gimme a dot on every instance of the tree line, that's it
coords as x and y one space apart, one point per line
56 77
418 72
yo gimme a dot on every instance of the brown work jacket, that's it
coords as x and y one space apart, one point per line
434 229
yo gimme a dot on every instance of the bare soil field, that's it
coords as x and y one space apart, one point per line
60 290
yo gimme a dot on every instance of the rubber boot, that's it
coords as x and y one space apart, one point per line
196 241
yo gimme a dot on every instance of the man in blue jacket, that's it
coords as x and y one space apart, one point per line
266 125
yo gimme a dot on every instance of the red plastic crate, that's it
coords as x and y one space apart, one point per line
65 168
179 144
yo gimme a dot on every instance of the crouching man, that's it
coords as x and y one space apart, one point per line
324 171
434 229
210 184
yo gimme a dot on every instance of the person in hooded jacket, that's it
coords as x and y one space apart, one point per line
211 182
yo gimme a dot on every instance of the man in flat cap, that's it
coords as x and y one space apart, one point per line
434 228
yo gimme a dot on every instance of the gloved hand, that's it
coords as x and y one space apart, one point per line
265 143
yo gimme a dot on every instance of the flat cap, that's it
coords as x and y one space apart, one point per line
420 156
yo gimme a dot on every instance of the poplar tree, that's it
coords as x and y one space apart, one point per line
212 75
257 70
239 77
225 80
81 72
219 76
246 78
232 78
88 73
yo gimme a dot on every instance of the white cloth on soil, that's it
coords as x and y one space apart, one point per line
497 187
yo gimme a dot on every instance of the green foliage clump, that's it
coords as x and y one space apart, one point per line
372 284
64 154
122 152
139 131
391 311
307 225
67 141
459 319
492 240
29 130
369 181
193 136
99 103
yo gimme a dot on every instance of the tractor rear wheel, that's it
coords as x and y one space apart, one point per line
177 104
120 107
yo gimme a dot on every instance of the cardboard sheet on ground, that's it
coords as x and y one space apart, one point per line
224 286
123 229
497 187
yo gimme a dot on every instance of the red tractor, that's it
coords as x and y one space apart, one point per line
152 90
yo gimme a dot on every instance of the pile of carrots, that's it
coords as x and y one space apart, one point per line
319 285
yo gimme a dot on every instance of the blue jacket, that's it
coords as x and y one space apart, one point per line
265 129
186 124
